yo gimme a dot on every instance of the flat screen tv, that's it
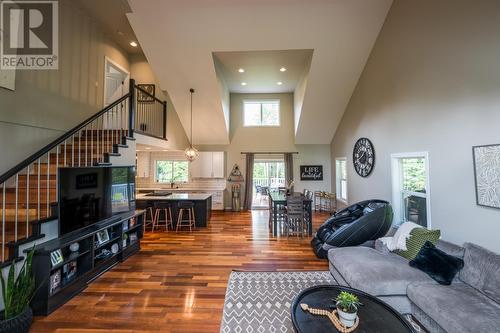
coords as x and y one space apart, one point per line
93 194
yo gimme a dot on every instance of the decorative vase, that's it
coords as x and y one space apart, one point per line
74 247
19 324
347 318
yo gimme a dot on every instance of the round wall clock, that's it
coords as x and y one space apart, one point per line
363 157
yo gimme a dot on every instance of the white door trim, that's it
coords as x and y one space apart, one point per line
107 61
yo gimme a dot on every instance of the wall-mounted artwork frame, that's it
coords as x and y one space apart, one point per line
487 175
149 88
311 172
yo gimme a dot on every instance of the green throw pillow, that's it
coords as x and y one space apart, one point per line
416 241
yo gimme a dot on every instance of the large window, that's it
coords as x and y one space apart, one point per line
341 177
410 182
261 113
172 171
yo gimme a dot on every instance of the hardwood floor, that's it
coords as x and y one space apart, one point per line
177 282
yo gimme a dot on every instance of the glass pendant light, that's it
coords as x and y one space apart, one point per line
191 152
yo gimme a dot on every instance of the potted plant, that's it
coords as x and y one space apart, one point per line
17 293
347 308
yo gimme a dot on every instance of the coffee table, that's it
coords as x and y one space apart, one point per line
374 316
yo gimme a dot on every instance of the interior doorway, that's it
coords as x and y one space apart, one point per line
268 176
116 80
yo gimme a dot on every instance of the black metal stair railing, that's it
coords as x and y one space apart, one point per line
29 190
151 114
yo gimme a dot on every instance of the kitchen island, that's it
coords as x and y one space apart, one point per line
202 204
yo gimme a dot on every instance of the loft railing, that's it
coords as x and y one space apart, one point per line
29 191
151 114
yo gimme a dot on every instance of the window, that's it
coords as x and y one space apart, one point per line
261 113
410 183
341 177
171 171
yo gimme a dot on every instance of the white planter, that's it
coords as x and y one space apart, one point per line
347 318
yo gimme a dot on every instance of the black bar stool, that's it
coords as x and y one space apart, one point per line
185 207
166 208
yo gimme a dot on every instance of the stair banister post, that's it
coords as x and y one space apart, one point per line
164 119
131 111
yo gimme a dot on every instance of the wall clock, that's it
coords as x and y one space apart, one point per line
363 157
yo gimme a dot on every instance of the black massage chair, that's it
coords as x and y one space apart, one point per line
352 226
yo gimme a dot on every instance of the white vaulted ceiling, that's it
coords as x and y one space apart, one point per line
194 43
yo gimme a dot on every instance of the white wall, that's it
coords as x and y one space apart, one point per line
46 103
279 139
432 83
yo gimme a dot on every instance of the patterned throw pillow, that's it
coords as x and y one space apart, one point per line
416 241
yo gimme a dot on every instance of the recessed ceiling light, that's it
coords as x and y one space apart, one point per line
134 44
279 83
241 70
282 69
243 83
148 148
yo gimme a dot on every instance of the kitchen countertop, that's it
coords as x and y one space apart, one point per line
175 196
182 189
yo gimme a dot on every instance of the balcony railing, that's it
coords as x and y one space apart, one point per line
269 182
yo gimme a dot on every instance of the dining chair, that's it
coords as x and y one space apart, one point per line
294 217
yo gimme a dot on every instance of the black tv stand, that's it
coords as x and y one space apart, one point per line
100 248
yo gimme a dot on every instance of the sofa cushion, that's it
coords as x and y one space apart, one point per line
437 264
457 308
450 248
373 272
416 241
482 270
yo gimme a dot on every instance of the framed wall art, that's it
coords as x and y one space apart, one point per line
487 175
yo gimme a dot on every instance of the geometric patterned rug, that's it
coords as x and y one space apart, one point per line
259 302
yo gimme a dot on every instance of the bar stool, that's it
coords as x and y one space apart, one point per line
151 220
185 207
167 222
317 200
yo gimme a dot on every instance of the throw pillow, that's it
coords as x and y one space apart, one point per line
437 264
416 241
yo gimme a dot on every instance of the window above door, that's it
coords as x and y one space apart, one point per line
261 113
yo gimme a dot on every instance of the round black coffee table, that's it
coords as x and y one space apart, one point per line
374 316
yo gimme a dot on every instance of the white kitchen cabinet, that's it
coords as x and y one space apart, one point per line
143 164
218 164
208 165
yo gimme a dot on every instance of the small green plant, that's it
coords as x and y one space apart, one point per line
17 292
347 302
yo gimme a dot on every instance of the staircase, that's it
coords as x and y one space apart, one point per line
29 191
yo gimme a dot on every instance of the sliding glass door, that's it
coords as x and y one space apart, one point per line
268 175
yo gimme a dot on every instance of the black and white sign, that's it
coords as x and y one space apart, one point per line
311 172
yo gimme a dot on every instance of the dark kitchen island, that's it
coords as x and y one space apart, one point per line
202 204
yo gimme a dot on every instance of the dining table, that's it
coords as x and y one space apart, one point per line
277 199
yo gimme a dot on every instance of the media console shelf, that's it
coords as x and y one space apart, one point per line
63 269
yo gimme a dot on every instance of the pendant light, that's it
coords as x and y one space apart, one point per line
191 152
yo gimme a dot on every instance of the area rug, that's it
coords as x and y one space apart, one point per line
259 302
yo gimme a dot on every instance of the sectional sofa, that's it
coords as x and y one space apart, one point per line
470 304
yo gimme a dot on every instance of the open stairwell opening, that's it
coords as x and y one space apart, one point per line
29 191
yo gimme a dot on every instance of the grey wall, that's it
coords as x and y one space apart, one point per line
432 83
141 71
46 103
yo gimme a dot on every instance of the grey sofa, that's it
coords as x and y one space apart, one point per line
470 304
